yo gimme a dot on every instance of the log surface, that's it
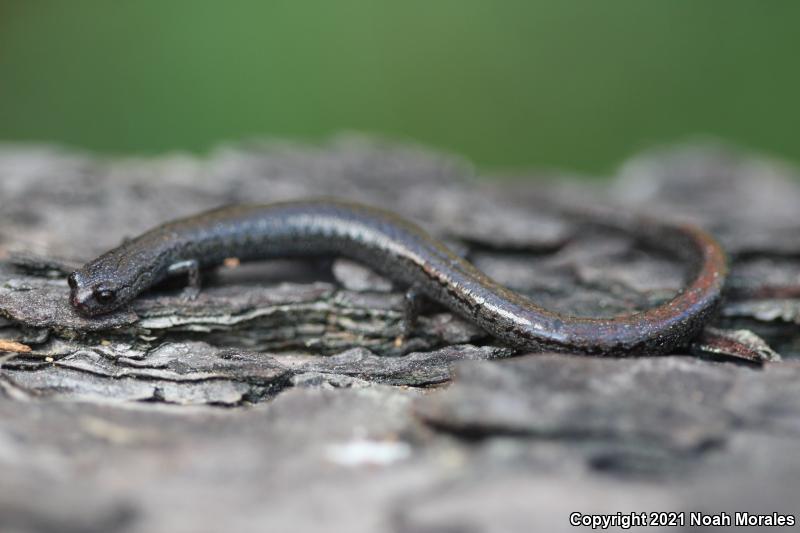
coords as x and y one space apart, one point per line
280 400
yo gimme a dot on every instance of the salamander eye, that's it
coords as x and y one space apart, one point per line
103 295
72 280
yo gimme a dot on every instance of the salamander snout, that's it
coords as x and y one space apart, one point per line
91 298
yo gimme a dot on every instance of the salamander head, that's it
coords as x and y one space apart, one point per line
97 289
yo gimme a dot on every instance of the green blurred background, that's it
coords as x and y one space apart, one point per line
569 84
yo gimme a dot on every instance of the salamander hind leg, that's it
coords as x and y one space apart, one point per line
190 267
412 304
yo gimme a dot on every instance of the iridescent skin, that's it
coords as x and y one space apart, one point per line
406 254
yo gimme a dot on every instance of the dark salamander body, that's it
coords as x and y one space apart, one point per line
405 253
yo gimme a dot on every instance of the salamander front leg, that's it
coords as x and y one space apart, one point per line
190 267
412 304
